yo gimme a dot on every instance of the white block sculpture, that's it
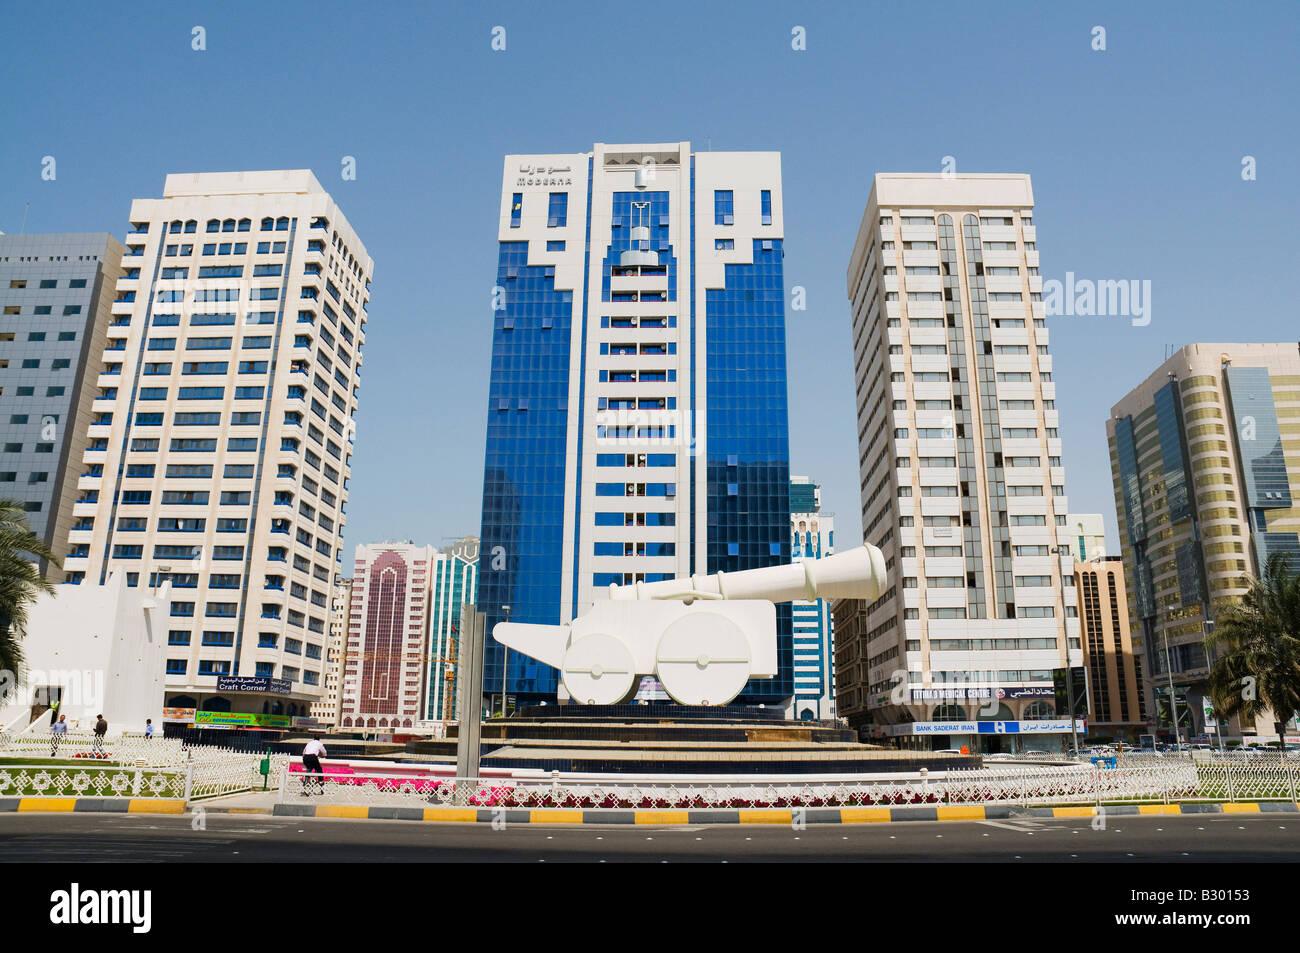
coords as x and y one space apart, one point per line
703 637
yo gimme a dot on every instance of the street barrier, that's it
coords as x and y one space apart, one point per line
1028 785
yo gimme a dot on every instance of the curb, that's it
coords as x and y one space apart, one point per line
657 817
103 805
782 816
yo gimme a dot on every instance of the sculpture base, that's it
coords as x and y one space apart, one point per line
677 740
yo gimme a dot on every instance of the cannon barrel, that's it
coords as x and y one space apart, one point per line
854 574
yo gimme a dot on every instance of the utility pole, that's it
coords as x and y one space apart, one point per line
470 728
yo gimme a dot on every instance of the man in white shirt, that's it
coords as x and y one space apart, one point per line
58 731
311 755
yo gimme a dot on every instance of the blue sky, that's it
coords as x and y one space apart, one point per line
1135 153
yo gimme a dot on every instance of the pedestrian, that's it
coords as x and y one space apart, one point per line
101 729
58 731
148 729
311 755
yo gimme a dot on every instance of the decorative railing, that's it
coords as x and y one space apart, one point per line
1178 779
90 780
203 771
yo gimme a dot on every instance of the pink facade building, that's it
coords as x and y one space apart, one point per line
385 663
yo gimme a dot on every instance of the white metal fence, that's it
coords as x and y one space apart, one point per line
131 766
91 780
1079 783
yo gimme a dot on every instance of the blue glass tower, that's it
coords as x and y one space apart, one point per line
637 418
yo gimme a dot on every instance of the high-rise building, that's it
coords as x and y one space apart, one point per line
385 667
1116 696
56 292
637 425
219 452
327 709
1205 456
961 473
1088 534
455 583
812 536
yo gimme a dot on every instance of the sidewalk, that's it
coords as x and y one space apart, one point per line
249 802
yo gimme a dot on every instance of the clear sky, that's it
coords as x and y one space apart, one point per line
1135 152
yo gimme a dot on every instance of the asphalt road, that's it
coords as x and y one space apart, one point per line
107 838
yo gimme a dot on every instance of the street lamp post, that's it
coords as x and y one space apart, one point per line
1059 551
1173 699
1069 695
1206 626
505 665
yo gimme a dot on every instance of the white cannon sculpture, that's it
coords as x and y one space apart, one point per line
703 637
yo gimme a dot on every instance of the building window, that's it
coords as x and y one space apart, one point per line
723 207
516 209
557 215
767 206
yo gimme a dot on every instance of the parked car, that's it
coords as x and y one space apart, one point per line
948 751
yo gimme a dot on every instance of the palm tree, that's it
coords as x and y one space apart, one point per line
1258 640
20 580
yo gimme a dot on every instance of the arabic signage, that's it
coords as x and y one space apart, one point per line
1051 726
253 683
185 715
543 175
971 693
240 719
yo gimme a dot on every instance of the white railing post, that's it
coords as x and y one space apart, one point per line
1290 778
189 781
135 782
